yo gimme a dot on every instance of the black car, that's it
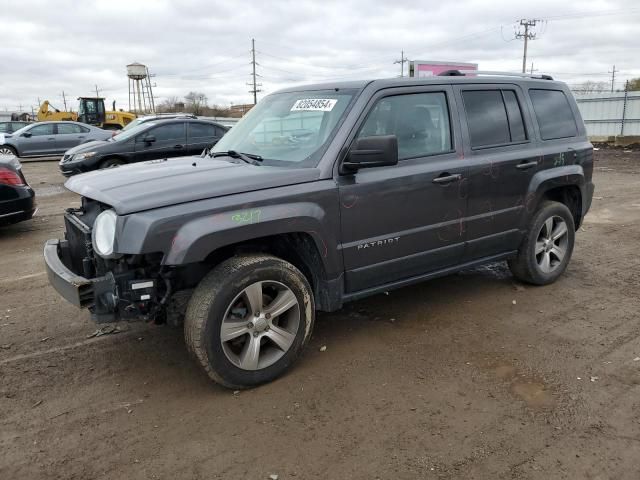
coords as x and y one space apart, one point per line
17 198
12 126
176 137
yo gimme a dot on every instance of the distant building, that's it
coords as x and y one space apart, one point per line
428 68
241 109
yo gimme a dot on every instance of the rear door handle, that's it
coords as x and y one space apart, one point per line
51 138
178 146
526 165
445 178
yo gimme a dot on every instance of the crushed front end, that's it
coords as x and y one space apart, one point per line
118 287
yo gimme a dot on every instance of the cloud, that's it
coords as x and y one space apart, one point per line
47 47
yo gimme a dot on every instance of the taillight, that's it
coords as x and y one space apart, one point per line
9 177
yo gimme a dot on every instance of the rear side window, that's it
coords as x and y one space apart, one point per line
4 127
172 131
419 121
554 114
199 130
70 128
494 117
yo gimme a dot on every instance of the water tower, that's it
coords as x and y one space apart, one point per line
140 93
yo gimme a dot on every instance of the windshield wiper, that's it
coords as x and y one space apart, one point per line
250 158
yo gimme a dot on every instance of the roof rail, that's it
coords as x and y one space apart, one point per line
462 73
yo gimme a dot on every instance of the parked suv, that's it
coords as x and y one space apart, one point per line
325 194
150 140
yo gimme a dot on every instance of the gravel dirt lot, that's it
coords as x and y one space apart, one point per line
469 376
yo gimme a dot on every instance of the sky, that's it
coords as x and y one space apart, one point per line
47 47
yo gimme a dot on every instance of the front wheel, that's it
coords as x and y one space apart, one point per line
547 247
111 163
7 150
249 320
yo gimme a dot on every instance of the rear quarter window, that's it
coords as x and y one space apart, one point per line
553 113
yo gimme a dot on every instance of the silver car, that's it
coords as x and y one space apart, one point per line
49 138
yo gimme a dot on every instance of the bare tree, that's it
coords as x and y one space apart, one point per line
590 87
169 104
196 102
634 84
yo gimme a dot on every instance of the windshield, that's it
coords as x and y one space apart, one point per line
288 129
128 133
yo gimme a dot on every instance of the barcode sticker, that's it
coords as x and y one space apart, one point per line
314 105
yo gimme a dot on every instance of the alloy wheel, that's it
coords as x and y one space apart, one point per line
260 325
551 244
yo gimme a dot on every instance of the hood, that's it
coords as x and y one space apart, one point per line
160 183
86 147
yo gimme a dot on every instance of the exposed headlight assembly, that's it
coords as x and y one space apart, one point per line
104 233
83 156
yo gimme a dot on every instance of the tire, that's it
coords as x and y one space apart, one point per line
111 163
544 255
222 300
8 150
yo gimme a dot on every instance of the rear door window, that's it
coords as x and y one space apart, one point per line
201 130
554 114
494 118
419 121
486 118
172 131
69 128
516 124
38 130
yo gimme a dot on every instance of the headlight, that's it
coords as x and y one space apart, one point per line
104 233
82 156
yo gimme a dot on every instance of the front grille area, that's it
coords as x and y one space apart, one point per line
78 236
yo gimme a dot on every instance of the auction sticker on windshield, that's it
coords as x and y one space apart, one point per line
314 105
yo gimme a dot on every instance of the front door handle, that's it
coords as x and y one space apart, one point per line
51 138
445 178
178 147
527 165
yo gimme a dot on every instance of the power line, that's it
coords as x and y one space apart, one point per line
255 86
527 35
613 76
402 61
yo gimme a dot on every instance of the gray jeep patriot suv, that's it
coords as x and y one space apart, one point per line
324 194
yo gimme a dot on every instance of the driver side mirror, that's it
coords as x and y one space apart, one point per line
149 139
27 134
369 152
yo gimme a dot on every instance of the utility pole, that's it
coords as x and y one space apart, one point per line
613 77
97 94
527 35
402 61
254 84
532 69
64 100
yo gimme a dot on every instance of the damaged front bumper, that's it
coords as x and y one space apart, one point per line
99 294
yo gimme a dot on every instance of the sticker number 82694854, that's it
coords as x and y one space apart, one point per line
314 105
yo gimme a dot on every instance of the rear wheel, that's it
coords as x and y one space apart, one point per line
546 249
249 319
111 163
7 150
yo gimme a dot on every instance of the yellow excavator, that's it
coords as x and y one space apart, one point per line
90 110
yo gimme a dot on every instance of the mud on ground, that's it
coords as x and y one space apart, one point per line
469 376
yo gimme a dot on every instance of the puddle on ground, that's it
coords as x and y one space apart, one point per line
534 394
530 390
